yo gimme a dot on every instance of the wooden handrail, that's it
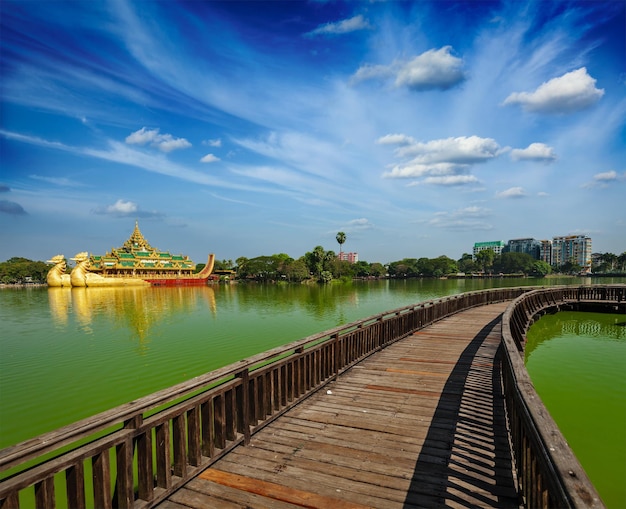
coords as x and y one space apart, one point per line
549 473
140 452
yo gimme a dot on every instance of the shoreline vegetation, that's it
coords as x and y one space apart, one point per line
322 266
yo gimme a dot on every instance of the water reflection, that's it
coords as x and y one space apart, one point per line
134 308
573 324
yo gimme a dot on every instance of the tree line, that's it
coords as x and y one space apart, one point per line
324 265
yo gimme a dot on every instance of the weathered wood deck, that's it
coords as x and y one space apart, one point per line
418 424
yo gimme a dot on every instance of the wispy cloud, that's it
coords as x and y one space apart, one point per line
344 26
467 218
57 181
569 93
512 192
604 179
217 142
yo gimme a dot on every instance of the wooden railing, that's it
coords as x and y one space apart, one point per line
137 454
549 473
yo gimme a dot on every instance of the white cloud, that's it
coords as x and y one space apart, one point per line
460 150
209 158
435 69
370 72
217 142
395 139
534 152
58 181
451 180
604 179
512 192
122 207
606 176
360 224
344 26
571 92
444 162
164 142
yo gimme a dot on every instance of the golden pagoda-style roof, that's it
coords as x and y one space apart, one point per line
137 253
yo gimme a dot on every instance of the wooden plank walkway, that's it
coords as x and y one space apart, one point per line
419 424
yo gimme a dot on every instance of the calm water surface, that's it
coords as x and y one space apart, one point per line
67 354
577 362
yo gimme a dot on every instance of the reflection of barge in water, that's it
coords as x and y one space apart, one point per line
136 263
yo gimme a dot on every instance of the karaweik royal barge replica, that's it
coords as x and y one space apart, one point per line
136 263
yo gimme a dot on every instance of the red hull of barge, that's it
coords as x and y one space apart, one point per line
178 282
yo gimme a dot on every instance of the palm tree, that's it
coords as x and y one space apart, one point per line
341 238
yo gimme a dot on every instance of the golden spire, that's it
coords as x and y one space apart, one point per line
137 240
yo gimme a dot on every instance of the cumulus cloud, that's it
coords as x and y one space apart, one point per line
123 208
512 192
569 93
12 208
209 158
534 152
468 218
164 142
344 26
435 69
444 162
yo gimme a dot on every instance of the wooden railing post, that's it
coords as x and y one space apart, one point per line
243 405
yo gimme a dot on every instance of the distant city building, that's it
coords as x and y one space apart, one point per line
558 251
545 251
348 257
496 246
531 247
572 248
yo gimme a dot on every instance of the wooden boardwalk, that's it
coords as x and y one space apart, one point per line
418 424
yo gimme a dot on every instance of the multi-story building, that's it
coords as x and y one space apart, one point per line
496 246
545 251
348 257
527 246
572 248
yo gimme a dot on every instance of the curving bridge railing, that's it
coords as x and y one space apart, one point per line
549 474
139 453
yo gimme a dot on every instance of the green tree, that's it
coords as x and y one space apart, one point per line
467 264
297 270
19 270
341 239
315 260
541 268
485 258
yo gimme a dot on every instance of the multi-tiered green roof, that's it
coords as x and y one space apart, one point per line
137 257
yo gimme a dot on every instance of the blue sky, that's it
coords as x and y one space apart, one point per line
253 128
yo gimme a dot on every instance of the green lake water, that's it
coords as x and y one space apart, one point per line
67 354
577 363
